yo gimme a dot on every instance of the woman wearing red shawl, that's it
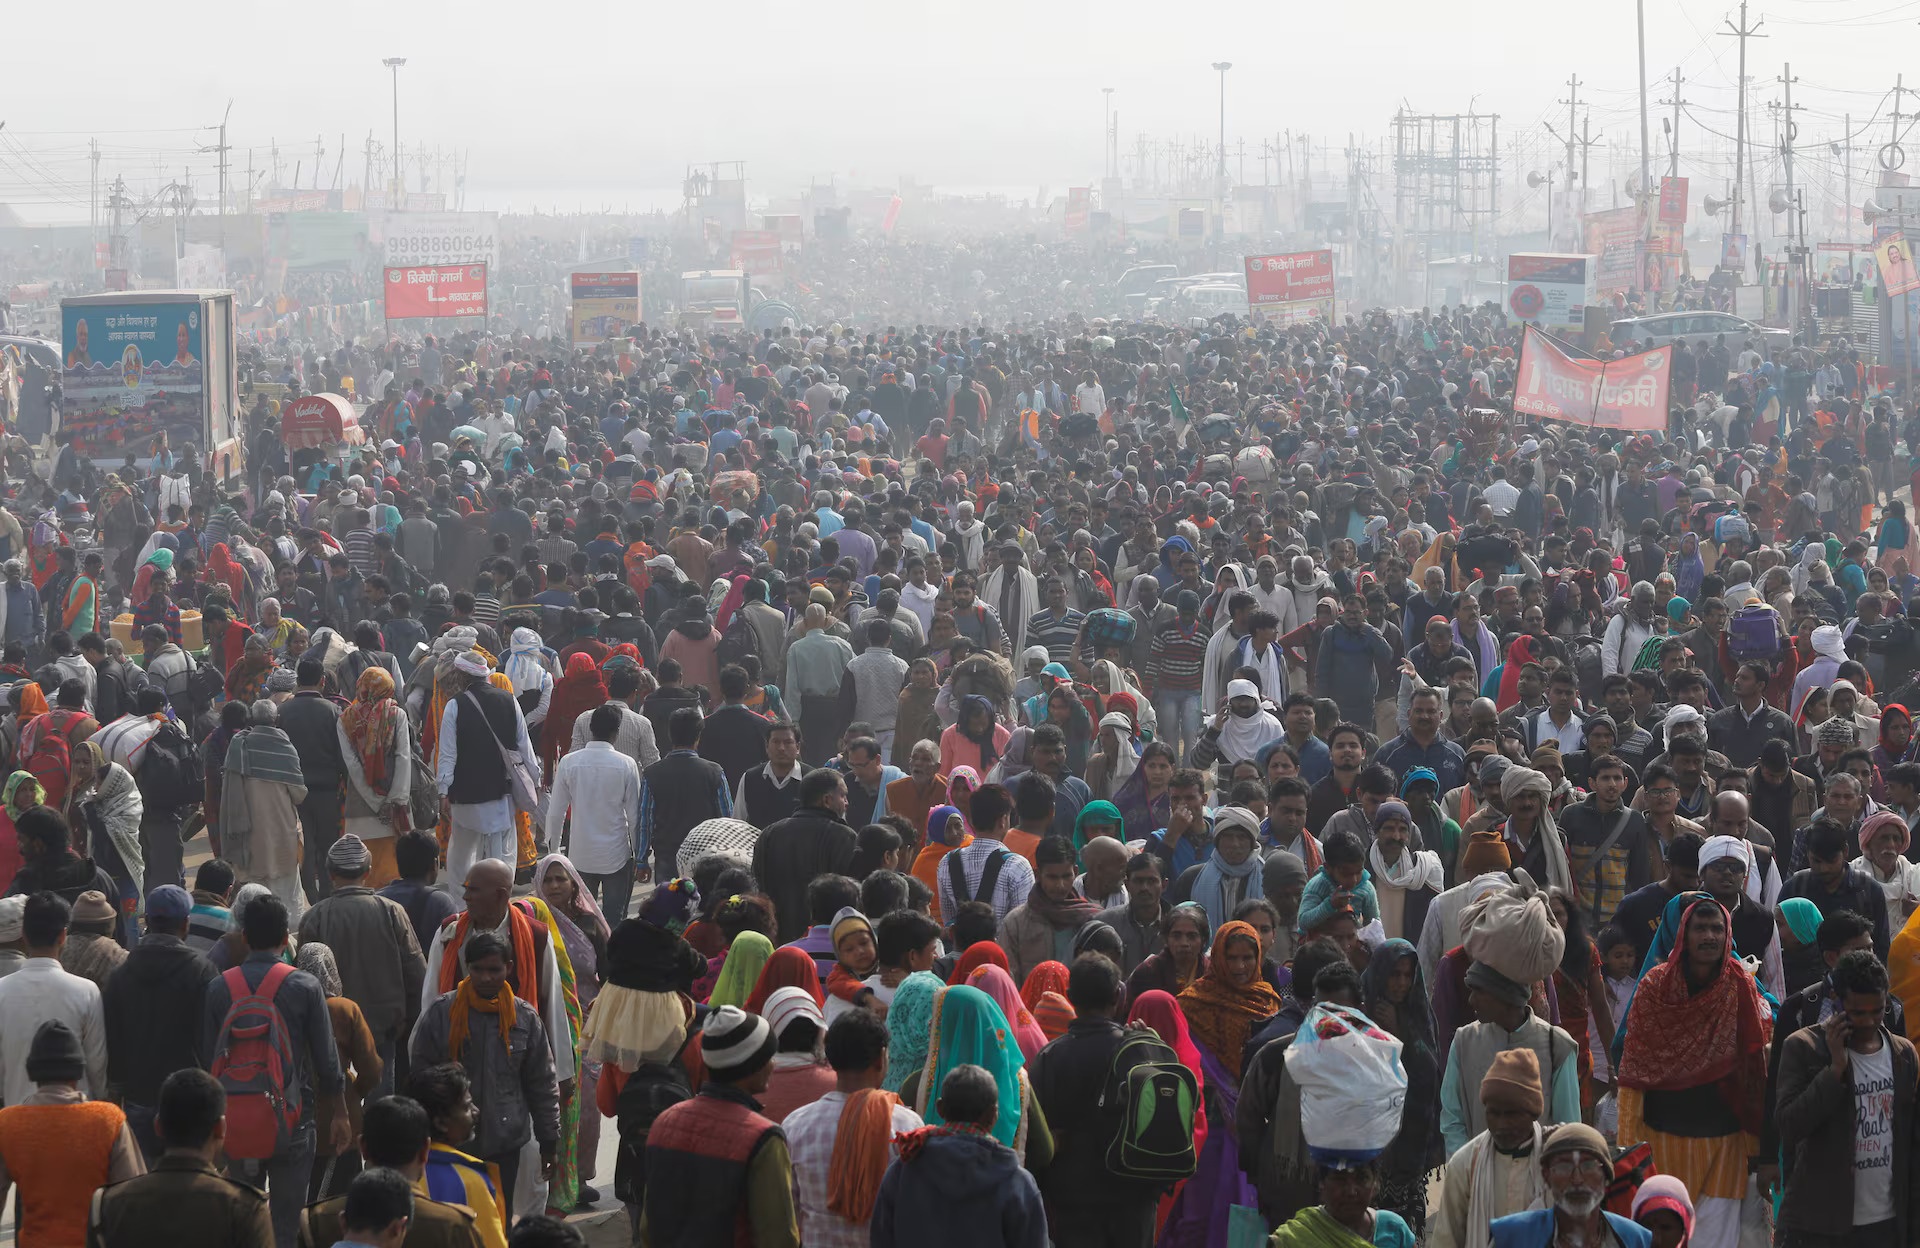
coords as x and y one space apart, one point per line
1519 654
980 953
997 984
222 570
1047 977
1693 1070
379 753
1161 1012
789 967
579 689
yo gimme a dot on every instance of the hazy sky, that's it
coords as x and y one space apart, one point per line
570 103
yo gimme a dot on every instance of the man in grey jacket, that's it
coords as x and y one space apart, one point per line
500 1042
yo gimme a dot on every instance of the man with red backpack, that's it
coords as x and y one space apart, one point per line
270 1044
48 741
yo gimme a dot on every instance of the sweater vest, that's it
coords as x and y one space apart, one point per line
478 774
766 802
57 1155
697 1158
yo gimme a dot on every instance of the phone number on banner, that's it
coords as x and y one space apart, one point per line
439 248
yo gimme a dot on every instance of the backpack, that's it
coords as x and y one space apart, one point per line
49 755
1753 633
423 803
170 775
1154 1098
737 642
204 684
253 1060
1588 668
651 1090
989 876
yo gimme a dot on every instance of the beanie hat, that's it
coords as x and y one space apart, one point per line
92 912
668 906
1054 1014
1492 982
349 858
1576 1137
785 1005
55 1055
847 922
734 1043
1486 851
1516 1071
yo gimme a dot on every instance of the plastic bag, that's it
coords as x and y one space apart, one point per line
1512 930
1353 1087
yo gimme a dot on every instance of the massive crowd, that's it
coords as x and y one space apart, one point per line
1063 782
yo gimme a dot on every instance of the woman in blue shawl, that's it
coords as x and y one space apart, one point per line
1689 569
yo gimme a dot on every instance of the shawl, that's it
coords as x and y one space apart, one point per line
1241 739
1093 812
989 748
789 967
1220 1014
317 960
1519 654
969 1029
467 1002
34 790
596 922
1049 976
580 690
1417 1013
1314 1227
33 703
1061 916
1141 815
222 570
262 753
980 953
368 723
527 662
746 958
859 1158
997 984
1482 1200
1681 1039
248 676
1517 780
526 971
117 800
1689 569
961 784
909 1021
1209 886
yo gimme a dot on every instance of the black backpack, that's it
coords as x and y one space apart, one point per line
651 1090
170 775
737 642
204 684
1149 1100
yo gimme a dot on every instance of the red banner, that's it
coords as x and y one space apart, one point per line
437 290
1292 278
756 251
1628 393
1673 201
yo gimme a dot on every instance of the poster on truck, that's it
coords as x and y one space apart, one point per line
130 371
604 305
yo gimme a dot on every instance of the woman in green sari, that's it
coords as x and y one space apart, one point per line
1345 1216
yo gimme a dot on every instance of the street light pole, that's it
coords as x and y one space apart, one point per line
397 195
1220 176
1106 137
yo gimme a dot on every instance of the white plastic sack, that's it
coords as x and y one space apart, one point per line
1255 463
1353 1087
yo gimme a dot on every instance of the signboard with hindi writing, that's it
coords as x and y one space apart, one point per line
436 290
1629 393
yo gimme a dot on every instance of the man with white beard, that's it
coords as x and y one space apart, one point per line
1578 1165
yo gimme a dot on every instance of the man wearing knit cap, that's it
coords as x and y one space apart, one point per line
1498 1171
58 1145
91 952
1577 1165
1503 1021
382 969
717 1168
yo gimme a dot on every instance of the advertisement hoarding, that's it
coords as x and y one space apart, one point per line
433 290
1614 236
1628 393
411 239
130 371
1895 258
1079 202
604 305
1296 278
1673 201
756 251
1549 289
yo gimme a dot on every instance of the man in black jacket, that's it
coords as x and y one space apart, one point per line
734 737
154 1003
812 842
311 721
678 792
1088 1204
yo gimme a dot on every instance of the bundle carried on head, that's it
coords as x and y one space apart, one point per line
1353 1086
1511 929
987 675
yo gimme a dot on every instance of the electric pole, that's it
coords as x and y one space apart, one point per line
1742 32
1673 135
1640 20
221 148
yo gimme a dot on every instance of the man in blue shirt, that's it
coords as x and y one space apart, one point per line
1422 746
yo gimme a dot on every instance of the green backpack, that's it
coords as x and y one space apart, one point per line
1154 1098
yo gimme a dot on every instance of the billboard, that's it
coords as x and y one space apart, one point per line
1549 289
1673 201
419 291
604 304
131 370
1614 236
756 251
1079 201
1628 393
1895 258
1296 278
440 238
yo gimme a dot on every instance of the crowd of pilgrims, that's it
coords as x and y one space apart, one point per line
858 763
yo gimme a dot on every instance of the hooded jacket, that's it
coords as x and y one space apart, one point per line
956 1190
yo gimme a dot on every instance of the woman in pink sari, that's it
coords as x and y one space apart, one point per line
997 984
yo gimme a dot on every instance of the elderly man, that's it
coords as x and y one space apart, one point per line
1534 841
1628 631
1692 1075
1577 1165
260 807
1498 1171
482 733
1503 1020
